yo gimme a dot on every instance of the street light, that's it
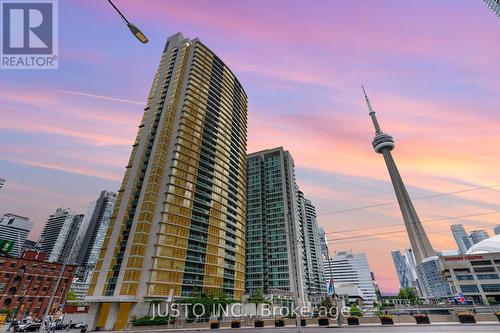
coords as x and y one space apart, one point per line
135 31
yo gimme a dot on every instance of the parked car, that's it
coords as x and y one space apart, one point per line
29 327
78 325
61 326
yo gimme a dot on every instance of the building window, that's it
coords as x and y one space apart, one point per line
484 269
12 264
465 277
469 288
480 262
490 288
487 276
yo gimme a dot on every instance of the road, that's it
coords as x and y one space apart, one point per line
436 328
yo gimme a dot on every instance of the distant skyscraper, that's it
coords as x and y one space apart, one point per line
405 269
15 228
179 221
478 235
431 279
29 245
496 230
92 231
59 234
352 268
312 258
384 144
461 238
494 6
274 248
323 241
91 234
2 182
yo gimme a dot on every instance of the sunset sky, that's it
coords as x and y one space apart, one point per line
431 69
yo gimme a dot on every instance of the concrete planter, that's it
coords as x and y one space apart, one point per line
498 316
352 321
422 319
235 324
258 323
323 322
303 322
279 323
386 320
214 325
466 319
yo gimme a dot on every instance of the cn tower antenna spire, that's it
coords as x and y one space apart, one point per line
372 113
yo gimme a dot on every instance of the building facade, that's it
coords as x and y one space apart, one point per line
432 283
346 269
405 266
59 234
178 226
494 5
323 243
477 236
15 228
29 245
275 247
26 284
496 230
314 276
461 238
477 273
91 234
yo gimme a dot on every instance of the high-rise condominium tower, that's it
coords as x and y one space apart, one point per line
461 238
351 269
494 5
91 234
179 221
15 228
405 268
314 276
283 252
478 235
384 144
496 230
59 233
323 243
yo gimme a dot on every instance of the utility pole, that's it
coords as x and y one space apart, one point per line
54 290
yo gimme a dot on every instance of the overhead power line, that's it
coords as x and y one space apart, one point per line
424 221
404 230
418 198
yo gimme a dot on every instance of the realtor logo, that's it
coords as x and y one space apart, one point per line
29 34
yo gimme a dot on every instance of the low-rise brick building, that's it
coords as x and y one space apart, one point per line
27 283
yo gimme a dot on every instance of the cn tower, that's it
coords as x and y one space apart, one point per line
383 144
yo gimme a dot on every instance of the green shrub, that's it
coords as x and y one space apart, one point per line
147 320
355 311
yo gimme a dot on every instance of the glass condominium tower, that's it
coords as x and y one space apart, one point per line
178 227
275 244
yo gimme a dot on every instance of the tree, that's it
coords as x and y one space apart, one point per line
70 296
355 311
257 298
408 293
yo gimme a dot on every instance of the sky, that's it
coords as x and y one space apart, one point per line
431 69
